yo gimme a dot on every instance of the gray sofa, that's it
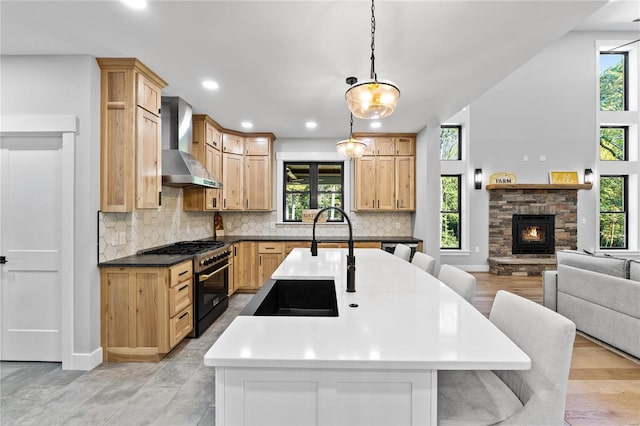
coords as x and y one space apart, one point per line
601 294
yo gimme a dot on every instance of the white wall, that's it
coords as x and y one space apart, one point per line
546 108
31 85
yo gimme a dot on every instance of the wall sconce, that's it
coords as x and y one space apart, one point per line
477 178
588 176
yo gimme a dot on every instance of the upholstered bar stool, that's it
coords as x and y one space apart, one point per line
403 251
424 261
460 281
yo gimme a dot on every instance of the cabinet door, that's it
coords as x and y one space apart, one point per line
257 146
267 264
232 172
385 183
257 184
405 146
365 175
213 163
148 158
149 95
405 183
232 144
370 149
246 266
385 146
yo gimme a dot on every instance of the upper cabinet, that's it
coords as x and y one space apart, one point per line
389 163
130 136
247 175
207 142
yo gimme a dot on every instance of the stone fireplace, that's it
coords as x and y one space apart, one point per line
546 221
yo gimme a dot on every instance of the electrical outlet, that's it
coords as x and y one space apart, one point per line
543 158
272 225
114 239
477 249
584 220
525 158
122 238
397 225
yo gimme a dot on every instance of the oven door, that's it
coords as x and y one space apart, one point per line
212 287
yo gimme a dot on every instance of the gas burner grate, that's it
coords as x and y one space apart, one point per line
186 247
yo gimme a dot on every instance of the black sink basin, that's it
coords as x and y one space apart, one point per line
304 298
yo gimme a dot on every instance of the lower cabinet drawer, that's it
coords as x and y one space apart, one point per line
180 297
180 326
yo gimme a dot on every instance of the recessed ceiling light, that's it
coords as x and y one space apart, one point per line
311 124
246 124
135 4
375 125
210 84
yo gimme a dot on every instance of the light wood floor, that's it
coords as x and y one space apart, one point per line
604 387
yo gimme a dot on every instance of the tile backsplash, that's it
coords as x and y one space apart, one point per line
123 234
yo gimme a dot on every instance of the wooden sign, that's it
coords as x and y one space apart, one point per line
309 214
502 178
563 178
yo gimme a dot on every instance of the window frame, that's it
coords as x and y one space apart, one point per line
452 126
625 210
625 79
625 130
458 211
313 187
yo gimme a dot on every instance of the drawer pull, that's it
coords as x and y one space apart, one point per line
183 272
183 287
183 315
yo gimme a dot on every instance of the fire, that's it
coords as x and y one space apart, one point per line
532 231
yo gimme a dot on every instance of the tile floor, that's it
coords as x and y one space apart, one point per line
179 390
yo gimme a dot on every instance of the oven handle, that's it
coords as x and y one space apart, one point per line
206 277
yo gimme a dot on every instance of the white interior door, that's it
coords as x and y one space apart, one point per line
30 240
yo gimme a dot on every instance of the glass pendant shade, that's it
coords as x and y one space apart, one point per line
351 148
372 99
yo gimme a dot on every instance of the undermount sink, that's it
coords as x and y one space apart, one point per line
305 298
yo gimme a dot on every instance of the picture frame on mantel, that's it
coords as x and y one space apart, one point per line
563 178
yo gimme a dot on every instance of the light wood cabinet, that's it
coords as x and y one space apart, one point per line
232 144
232 181
207 140
405 182
245 266
257 186
257 146
389 162
270 256
247 177
130 136
145 312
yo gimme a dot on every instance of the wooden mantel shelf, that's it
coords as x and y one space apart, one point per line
548 186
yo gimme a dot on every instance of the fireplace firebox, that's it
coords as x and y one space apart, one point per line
533 234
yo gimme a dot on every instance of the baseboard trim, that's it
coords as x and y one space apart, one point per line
85 362
473 268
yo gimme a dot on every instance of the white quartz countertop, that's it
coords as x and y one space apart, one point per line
405 319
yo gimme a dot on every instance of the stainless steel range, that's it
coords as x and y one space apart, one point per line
210 278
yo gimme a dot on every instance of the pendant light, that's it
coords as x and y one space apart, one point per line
351 148
372 98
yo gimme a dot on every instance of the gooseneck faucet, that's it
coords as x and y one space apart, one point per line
351 259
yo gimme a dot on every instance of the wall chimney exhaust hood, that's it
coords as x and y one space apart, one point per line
179 167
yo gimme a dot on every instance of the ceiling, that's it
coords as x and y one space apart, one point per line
280 64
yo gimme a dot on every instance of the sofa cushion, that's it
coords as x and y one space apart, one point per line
476 397
615 293
634 270
603 264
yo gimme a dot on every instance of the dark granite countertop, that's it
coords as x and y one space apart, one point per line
166 260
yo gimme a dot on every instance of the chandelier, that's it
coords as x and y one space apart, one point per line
372 98
351 148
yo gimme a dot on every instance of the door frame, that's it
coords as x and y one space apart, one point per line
65 126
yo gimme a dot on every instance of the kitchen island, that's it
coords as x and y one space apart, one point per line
375 363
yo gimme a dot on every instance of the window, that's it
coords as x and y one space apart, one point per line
450 142
613 212
312 185
613 81
450 188
613 143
